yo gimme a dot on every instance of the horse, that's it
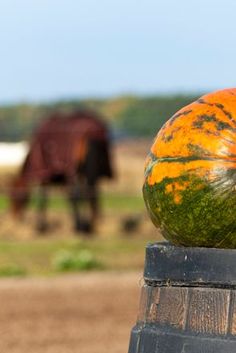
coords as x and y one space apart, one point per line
68 149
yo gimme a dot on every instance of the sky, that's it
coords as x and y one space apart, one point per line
62 49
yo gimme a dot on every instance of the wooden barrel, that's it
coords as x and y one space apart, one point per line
188 301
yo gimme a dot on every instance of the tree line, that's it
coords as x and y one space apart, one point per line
128 115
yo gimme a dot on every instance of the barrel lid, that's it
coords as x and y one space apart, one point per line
167 264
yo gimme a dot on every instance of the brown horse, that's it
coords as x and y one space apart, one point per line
67 149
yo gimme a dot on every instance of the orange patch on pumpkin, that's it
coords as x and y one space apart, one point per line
194 125
209 169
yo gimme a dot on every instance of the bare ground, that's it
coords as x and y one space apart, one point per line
86 313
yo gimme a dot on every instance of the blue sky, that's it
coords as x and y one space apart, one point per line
51 49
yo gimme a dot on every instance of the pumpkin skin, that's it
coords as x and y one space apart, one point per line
190 174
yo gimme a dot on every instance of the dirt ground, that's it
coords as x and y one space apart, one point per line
86 313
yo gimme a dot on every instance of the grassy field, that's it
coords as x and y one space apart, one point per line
60 250
23 252
111 201
50 256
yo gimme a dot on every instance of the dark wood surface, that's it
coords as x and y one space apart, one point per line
198 310
167 264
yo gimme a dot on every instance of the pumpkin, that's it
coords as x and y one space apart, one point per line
190 174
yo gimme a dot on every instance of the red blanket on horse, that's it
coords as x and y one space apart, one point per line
61 145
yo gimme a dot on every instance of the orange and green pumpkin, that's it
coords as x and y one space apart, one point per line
190 174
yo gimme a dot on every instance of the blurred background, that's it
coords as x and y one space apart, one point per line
134 64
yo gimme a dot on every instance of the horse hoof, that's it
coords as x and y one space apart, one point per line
42 228
84 227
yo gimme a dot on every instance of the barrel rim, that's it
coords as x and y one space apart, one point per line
167 264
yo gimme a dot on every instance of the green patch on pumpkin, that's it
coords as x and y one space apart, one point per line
203 214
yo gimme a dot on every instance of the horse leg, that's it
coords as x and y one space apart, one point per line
74 196
94 205
42 223
89 196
